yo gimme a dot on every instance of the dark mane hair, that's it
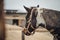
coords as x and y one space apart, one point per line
2 23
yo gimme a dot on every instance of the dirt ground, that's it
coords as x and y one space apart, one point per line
15 33
40 36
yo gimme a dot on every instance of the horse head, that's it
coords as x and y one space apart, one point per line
31 20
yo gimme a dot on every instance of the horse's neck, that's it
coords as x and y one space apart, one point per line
40 18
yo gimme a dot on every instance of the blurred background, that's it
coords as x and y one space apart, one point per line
15 12
15 15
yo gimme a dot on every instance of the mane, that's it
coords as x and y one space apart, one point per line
2 23
40 18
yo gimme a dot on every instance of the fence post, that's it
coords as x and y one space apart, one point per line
2 22
23 36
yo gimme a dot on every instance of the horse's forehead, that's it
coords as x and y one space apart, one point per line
34 10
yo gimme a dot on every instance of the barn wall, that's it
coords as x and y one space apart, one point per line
19 17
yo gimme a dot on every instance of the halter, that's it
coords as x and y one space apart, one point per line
29 21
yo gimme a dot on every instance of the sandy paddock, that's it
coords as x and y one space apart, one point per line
14 32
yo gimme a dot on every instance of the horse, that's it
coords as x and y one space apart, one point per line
2 22
46 18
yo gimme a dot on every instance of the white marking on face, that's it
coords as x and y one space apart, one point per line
39 17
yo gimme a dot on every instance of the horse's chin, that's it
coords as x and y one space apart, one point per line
26 33
42 25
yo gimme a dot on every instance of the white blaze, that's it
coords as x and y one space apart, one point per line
40 18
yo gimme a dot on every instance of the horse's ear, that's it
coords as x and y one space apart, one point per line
27 9
37 5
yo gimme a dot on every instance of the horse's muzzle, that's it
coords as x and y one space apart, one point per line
26 32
